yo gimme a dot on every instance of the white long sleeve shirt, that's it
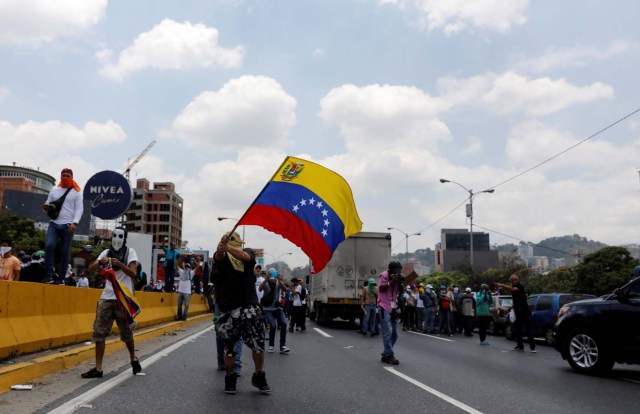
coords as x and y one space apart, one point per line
72 208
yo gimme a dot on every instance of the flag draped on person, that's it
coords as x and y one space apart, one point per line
125 300
309 205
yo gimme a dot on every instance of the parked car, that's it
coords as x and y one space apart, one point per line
544 313
592 335
499 310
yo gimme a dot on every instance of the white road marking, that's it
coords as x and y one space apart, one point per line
323 333
432 336
437 393
102 387
630 380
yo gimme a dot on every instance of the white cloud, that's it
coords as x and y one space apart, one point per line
474 144
453 16
247 111
541 96
384 116
571 57
41 21
171 46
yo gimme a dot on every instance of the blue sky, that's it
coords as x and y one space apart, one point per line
391 94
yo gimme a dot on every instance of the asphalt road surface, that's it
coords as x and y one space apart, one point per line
332 369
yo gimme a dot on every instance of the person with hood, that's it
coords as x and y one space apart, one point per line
123 260
368 300
64 207
484 300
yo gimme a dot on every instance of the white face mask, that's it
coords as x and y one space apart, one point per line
4 250
117 240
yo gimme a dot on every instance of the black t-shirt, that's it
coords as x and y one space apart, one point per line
234 288
519 298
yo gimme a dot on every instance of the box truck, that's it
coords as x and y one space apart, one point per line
336 289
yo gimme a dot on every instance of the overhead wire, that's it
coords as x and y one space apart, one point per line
524 241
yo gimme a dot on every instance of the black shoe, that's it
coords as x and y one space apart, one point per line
390 359
94 373
135 365
230 383
259 380
519 348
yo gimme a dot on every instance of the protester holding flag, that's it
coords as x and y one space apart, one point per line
119 267
241 315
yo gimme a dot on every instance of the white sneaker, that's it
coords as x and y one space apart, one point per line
284 350
270 349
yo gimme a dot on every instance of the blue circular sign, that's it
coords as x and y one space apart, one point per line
109 193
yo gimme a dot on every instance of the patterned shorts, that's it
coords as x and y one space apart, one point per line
106 312
246 323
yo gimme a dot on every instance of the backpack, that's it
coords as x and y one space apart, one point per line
444 302
268 297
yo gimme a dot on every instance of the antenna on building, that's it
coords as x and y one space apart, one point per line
127 171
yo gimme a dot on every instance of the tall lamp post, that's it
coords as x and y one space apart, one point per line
406 239
232 218
469 213
277 261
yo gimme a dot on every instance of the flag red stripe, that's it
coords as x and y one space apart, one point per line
292 228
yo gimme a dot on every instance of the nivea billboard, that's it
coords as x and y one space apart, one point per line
109 193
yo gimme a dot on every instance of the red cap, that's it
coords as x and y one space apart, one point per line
67 170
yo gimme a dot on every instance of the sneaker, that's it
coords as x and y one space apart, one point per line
93 373
485 343
518 348
259 380
533 350
135 365
284 349
390 359
270 349
230 383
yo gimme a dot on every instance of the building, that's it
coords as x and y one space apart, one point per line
453 251
23 179
525 251
156 211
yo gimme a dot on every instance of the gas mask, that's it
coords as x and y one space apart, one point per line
118 238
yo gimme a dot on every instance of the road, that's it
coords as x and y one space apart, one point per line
333 369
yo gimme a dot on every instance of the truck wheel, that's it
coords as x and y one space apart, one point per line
587 353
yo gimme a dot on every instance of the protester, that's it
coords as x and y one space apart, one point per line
241 316
368 299
299 307
184 290
171 256
467 310
483 305
82 282
9 264
270 289
522 311
35 271
141 278
65 217
389 285
123 260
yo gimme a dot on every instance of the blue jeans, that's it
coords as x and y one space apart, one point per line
55 233
272 316
430 319
369 324
183 298
389 329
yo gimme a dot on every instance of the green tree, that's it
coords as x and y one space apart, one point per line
604 270
22 232
559 280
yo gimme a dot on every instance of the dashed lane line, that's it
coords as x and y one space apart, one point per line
323 333
432 336
437 393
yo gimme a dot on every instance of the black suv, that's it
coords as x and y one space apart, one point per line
594 334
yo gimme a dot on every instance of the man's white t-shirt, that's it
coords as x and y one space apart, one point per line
296 298
83 282
186 275
107 292
259 281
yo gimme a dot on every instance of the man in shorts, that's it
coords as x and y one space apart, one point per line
241 316
124 261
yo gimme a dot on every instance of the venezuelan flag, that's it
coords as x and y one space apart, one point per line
309 205
126 300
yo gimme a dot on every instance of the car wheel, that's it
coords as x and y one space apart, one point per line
508 332
586 353
549 337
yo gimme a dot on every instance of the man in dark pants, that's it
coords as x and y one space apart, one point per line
521 309
171 256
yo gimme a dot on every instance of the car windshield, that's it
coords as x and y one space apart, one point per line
505 302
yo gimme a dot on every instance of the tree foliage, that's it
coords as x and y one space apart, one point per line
22 232
603 271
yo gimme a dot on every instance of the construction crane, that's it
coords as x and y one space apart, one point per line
138 158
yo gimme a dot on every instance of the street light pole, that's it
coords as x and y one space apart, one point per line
232 218
406 243
469 214
277 261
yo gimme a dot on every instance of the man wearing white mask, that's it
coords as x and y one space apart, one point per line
9 264
124 261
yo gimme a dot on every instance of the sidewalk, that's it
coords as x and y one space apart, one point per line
28 368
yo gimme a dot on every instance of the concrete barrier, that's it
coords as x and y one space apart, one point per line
35 317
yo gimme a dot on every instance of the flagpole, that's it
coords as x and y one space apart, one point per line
259 194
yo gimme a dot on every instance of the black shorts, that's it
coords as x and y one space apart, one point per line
246 323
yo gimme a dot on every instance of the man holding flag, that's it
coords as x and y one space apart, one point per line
119 266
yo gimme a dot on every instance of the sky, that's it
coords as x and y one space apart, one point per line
391 94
